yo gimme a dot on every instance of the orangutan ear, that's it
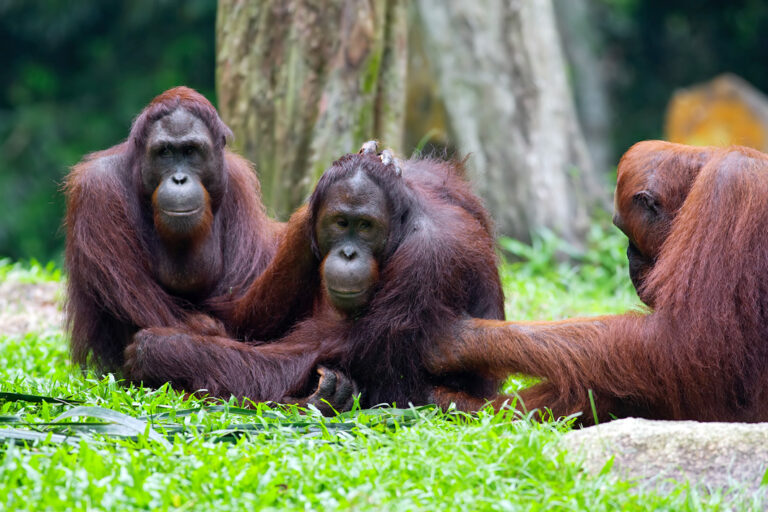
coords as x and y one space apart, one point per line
647 201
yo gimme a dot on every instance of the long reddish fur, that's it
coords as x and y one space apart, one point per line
440 266
112 292
666 168
700 355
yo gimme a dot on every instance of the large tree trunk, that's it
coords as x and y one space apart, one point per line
583 46
502 75
302 82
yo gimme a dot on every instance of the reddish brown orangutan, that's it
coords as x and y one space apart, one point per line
406 252
167 220
653 180
700 355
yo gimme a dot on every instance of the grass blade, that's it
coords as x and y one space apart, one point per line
138 426
22 397
30 435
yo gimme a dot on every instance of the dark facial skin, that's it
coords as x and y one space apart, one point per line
646 224
352 229
653 180
181 173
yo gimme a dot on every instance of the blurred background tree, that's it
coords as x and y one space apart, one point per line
302 82
74 75
501 76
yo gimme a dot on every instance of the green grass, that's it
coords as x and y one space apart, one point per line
164 451
31 272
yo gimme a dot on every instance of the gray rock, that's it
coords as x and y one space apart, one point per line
660 454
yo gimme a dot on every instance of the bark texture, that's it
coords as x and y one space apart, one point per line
583 45
502 75
301 82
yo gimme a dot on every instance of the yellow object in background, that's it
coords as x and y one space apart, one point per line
727 110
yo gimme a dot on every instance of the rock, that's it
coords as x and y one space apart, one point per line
663 453
724 111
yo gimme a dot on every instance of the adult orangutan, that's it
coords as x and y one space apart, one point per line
406 252
700 355
166 220
653 180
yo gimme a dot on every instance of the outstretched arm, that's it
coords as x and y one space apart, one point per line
601 354
497 349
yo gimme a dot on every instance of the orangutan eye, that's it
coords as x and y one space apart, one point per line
364 225
342 222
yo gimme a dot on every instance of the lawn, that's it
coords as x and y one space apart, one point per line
103 446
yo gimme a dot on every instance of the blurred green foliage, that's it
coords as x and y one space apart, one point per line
73 76
552 279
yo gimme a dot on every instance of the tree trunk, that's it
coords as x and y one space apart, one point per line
502 75
583 47
302 82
